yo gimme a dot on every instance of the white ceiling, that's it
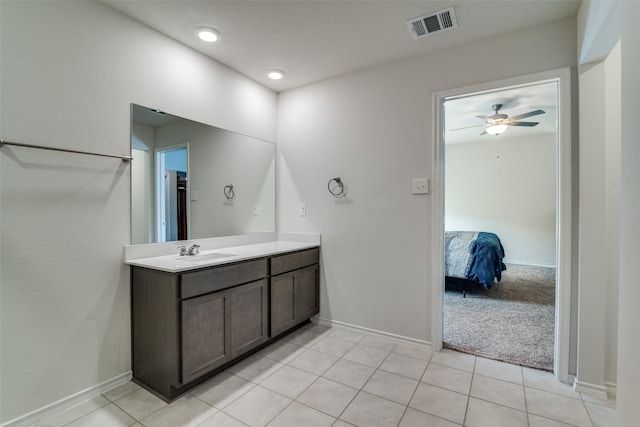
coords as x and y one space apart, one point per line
312 40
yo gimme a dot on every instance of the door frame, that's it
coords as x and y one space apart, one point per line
158 184
564 212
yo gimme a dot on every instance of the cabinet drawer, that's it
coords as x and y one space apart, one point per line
217 278
293 261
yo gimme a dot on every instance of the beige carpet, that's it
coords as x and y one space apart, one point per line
511 322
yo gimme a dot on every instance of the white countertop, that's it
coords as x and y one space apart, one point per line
175 263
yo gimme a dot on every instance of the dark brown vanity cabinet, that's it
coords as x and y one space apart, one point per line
223 325
185 325
295 295
191 324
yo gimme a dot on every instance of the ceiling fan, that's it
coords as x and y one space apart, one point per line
497 123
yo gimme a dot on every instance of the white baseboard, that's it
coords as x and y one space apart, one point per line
531 264
600 391
69 401
612 389
372 332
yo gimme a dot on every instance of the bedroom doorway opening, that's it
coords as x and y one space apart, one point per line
513 182
172 203
500 193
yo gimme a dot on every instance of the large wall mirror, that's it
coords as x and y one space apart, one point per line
190 180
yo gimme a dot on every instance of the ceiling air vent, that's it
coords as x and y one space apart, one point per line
432 23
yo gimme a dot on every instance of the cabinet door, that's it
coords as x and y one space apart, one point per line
283 313
249 316
294 298
307 293
205 334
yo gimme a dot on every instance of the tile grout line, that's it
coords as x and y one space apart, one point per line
524 394
587 410
406 408
82 416
547 417
433 385
361 387
217 410
466 409
350 401
299 394
221 409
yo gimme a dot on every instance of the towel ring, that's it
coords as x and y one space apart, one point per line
338 189
229 193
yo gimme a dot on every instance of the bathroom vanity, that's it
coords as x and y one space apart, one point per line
194 316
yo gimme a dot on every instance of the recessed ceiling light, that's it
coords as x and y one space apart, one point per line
208 34
275 74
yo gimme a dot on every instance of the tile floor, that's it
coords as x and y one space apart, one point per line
320 376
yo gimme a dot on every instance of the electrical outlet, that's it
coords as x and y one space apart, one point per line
255 210
302 209
420 186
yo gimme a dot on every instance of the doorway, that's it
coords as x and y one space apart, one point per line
172 203
500 182
560 78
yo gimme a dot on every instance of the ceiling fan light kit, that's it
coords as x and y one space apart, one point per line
498 123
496 129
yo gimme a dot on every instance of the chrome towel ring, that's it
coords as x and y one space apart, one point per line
228 192
336 187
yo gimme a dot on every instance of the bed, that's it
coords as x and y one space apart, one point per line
474 256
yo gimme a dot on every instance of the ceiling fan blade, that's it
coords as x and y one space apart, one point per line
482 117
529 114
529 124
484 132
466 127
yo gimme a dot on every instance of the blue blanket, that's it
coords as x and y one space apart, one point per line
474 255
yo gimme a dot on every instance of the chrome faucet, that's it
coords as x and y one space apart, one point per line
193 249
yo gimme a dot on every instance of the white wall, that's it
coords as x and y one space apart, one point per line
601 25
141 191
373 128
142 194
613 162
594 286
628 382
506 186
70 71
599 170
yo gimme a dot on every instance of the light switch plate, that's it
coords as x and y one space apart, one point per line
194 196
420 186
302 209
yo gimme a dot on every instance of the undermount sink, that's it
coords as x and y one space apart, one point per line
203 257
